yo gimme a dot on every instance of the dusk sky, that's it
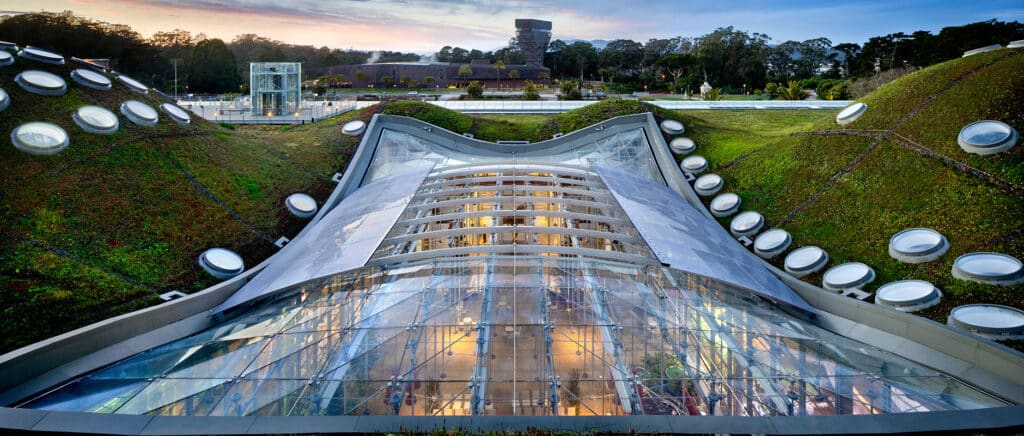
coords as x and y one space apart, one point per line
425 26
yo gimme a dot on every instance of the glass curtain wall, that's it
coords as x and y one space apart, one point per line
519 289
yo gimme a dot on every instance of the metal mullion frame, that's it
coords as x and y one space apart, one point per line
462 231
422 314
628 399
527 249
552 180
610 220
499 188
478 167
471 200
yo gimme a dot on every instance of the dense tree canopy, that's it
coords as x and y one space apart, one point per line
729 58
624 55
213 67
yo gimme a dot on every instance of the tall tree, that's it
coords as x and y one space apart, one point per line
445 54
734 58
499 67
677 65
658 48
465 71
213 68
578 58
849 52
624 55
551 56
813 55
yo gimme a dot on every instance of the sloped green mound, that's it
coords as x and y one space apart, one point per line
517 127
111 222
850 188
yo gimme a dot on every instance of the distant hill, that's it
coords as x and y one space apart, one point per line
599 44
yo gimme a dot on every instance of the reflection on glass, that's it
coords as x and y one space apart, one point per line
627 150
524 335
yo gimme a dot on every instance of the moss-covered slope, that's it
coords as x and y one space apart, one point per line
849 189
109 223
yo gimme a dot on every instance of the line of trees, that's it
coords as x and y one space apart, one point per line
736 60
742 61
204 65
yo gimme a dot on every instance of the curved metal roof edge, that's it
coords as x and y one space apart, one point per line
991 419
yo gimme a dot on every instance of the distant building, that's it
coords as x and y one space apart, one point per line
275 87
434 75
533 36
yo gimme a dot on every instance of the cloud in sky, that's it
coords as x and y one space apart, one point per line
426 25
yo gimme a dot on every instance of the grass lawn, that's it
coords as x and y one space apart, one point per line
736 132
894 188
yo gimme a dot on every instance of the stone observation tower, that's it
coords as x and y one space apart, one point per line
534 36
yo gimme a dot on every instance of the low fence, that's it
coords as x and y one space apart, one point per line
313 111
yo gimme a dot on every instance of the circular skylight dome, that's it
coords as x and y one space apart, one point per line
746 224
990 268
6 58
908 295
91 79
139 113
708 185
39 138
301 205
987 137
990 320
176 113
354 128
982 50
772 243
848 276
133 84
672 127
682 146
5 100
851 113
1016 44
917 245
694 164
805 260
725 205
221 263
95 119
41 82
40 55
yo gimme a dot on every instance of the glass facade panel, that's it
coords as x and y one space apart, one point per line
515 335
398 151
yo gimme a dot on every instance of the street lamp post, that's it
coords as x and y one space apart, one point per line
175 80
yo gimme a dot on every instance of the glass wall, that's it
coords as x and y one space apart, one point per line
275 88
514 335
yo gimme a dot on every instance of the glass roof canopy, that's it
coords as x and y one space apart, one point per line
511 286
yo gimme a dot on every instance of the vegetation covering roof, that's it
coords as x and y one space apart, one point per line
113 221
849 189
